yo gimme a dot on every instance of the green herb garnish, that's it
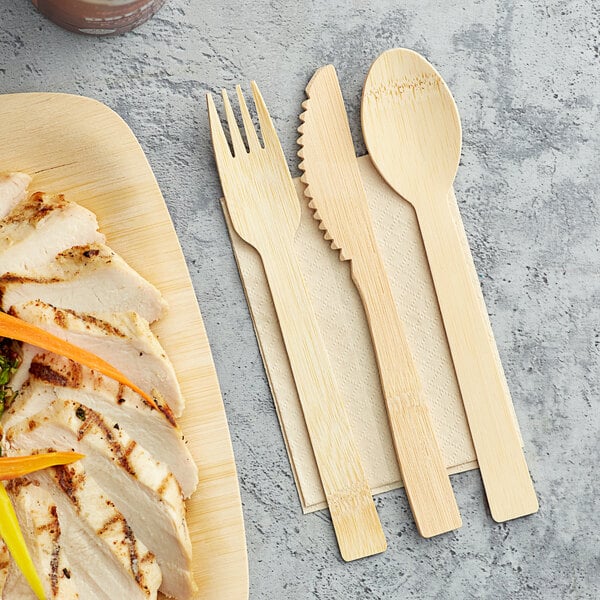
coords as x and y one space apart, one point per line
9 363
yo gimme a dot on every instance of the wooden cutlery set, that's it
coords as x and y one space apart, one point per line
412 130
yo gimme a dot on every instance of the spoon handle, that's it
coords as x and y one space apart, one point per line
424 474
484 391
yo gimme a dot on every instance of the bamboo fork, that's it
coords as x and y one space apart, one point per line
265 212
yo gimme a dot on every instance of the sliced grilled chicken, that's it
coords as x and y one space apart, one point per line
125 340
4 564
90 517
53 377
16 586
39 228
87 279
13 188
38 518
142 488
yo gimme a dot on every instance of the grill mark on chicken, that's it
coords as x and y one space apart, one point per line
60 318
121 393
68 373
164 409
47 374
88 253
130 448
70 482
130 540
55 559
133 554
108 525
164 484
13 278
36 208
52 526
91 419
14 485
147 558
91 253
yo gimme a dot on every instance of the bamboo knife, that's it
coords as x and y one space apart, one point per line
335 191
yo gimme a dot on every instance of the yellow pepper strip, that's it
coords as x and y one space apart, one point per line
10 531
13 538
17 466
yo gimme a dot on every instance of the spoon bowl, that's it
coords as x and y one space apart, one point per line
410 120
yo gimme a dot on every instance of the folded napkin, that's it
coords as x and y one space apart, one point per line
345 330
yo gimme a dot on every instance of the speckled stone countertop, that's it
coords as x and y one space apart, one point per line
526 78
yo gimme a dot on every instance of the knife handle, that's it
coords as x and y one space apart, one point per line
355 520
422 468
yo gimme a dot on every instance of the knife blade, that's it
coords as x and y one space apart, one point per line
335 192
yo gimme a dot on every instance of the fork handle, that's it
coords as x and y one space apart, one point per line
355 520
424 474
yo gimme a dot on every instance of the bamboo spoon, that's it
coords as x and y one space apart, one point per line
412 131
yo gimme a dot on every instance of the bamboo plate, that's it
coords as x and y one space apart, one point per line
80 147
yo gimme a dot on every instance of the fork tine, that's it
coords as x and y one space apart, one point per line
234 130
220 144
251 136
267 128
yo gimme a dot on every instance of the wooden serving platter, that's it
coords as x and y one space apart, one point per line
80 147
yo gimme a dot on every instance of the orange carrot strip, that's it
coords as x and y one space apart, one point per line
17 329
17 466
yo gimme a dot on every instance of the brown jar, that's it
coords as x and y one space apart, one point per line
98 17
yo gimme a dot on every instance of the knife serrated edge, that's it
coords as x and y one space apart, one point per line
304 180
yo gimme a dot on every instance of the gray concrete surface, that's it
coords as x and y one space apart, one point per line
526 76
